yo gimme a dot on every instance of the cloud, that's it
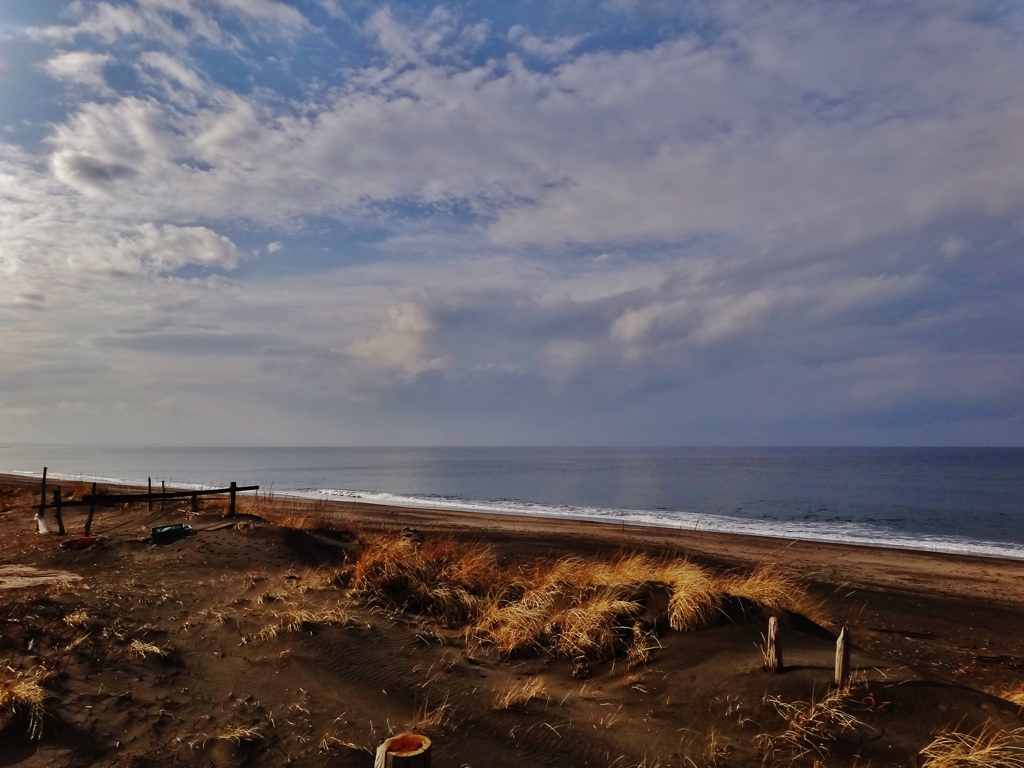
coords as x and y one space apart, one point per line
550 48
805 212
401 342
79 68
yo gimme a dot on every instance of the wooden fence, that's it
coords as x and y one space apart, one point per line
96 499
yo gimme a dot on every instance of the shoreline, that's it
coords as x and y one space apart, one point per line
969 548
964 576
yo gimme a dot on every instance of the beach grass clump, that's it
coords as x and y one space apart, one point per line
695 595
583 609
770 588
450 583
598 627
986 748
22 696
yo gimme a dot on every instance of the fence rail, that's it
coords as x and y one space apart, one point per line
95 499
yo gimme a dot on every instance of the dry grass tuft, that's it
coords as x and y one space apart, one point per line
595 628
78 619
241 733
137 649
521 694
988 748
769 587
22 695
295 617
1014 695
450 583
695 598
812 726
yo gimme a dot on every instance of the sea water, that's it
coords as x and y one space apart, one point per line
967 500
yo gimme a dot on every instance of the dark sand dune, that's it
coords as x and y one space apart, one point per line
180 654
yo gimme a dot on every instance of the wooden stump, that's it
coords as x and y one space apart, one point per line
842 656
406 750
92 510
57 512
773 653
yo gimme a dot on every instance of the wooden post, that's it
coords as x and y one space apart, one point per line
163 495
42 500
149 485
406 750
92 509
231 506
842 657
56 510
195 504
773 653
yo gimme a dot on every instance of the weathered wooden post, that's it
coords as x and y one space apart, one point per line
406 750
149 486
773 653
231 505
92 510
42 499
163 495
56 510
195 504
842 657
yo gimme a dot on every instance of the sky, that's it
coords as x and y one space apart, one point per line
569 222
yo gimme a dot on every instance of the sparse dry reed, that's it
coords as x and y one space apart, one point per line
521 694
22 695
986 748
812 726
295 617
241 733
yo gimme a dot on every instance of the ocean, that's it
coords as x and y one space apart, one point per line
963 500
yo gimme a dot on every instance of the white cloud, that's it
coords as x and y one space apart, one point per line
274 247
400 344
79 68
548 48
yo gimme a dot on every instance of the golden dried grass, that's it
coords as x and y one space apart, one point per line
769 587
987 748
522 693
22 695
1014 695
296 616
139 649
812 726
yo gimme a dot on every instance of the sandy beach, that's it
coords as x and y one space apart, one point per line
148 654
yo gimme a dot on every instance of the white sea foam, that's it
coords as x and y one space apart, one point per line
831 532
